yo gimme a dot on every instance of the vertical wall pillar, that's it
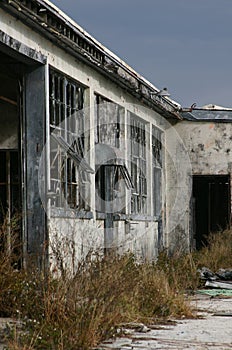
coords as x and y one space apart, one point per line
109 239
33 143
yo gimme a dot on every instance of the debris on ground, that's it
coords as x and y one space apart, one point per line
207 274
222 279
216 292
210 330
224 274
219 284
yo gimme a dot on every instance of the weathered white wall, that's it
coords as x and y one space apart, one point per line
208 148
209 145
178 193
141 237
138 237
71 240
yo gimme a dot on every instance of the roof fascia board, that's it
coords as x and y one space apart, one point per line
103 60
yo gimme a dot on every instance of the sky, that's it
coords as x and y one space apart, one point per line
184 45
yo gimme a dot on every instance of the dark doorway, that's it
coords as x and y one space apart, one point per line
211 205
22 137
10 180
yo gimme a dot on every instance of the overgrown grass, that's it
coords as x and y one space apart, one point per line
218 253
79 311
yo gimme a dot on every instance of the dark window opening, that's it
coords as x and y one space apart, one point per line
111 181
211 206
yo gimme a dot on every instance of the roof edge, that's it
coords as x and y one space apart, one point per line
46 18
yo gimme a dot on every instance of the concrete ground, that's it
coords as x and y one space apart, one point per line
212 330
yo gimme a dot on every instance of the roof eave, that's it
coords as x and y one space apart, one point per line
91 52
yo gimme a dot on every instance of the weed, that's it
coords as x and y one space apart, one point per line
218 253
77 311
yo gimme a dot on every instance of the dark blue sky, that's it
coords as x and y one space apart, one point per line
184 45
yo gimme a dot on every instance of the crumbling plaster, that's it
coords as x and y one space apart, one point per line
143 235
205 149
209 146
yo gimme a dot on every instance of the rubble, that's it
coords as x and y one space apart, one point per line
220 280
219 284
207 274
224 274
221 274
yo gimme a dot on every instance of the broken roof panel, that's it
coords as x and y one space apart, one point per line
217 114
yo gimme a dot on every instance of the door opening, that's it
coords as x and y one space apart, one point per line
10 174
211 206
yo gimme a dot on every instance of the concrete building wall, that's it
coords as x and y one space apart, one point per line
208 151
141 234
189 148
209 146
178 191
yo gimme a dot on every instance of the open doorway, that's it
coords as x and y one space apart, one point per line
22 138
211 206
10 196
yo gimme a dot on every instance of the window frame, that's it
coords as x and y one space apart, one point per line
69 172
138 164
157 168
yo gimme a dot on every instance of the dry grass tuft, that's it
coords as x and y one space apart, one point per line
79 311
218 253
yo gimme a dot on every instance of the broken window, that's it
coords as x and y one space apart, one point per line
138 165
108 131
68 170
107 188
157 170
112 179
108 117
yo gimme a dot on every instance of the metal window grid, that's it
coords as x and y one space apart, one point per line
68 179
157 160
138 165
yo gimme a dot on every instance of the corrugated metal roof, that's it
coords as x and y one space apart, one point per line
206 114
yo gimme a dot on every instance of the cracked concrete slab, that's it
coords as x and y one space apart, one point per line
208 331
